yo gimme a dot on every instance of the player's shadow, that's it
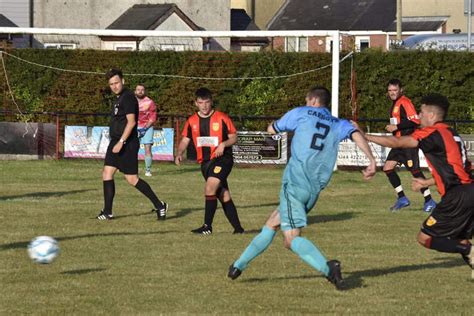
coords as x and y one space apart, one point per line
24 244
283 278
344 216
42 195
151 213
181 170
186 211
83 271
182 212
356 279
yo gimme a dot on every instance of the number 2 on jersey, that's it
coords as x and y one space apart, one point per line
323 131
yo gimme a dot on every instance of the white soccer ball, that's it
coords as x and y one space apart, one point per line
43 249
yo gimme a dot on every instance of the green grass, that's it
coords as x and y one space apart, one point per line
137 265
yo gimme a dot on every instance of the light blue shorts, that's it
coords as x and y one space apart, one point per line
148 137
295 203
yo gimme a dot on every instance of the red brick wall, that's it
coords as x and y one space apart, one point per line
378 41
279 43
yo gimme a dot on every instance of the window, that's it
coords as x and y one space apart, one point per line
173 47
125 47
60 45
296 44
362 42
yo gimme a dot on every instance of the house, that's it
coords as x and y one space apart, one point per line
10 40
15 13
241 21
163 17
260 11
211 15
453 9
364 24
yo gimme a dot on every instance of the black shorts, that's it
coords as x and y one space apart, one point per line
454 215
406 156
218 168
126 160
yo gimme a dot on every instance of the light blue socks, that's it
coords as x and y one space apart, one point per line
310 254
148 161
258 245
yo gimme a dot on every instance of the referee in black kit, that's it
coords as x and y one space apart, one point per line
122 153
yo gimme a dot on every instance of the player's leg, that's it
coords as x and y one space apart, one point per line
111 165
109 192
293 215
306 250
389 169
160 207
129 167
444 244
148 160
258 245
413 165
210 191
213 171
210 206
221 168
147 141
296 204
450 226
230 211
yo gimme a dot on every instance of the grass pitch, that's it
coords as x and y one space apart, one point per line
137 265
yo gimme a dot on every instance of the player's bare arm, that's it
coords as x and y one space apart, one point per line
126 133
181 148
418 183
232 139
361 142
270 129
391 128
393 142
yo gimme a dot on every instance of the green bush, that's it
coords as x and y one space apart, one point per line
47 89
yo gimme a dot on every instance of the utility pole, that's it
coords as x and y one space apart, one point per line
399 19
469 24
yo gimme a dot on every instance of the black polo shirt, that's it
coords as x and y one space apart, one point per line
125 103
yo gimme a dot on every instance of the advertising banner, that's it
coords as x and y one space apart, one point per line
92 142
260 148
85 141
469 144
350 155
163 142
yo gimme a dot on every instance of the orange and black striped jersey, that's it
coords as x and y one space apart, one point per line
446 156
207 133
403 114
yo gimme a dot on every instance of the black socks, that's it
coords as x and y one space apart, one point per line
109 193
145 188
210 209
395 182
444 244
231 213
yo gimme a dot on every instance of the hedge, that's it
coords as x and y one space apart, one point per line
41 89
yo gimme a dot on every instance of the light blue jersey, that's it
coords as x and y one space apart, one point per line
314 145
314 148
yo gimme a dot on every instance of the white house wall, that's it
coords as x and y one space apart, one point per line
212 15
173 23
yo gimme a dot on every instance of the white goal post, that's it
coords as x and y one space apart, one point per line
334 35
